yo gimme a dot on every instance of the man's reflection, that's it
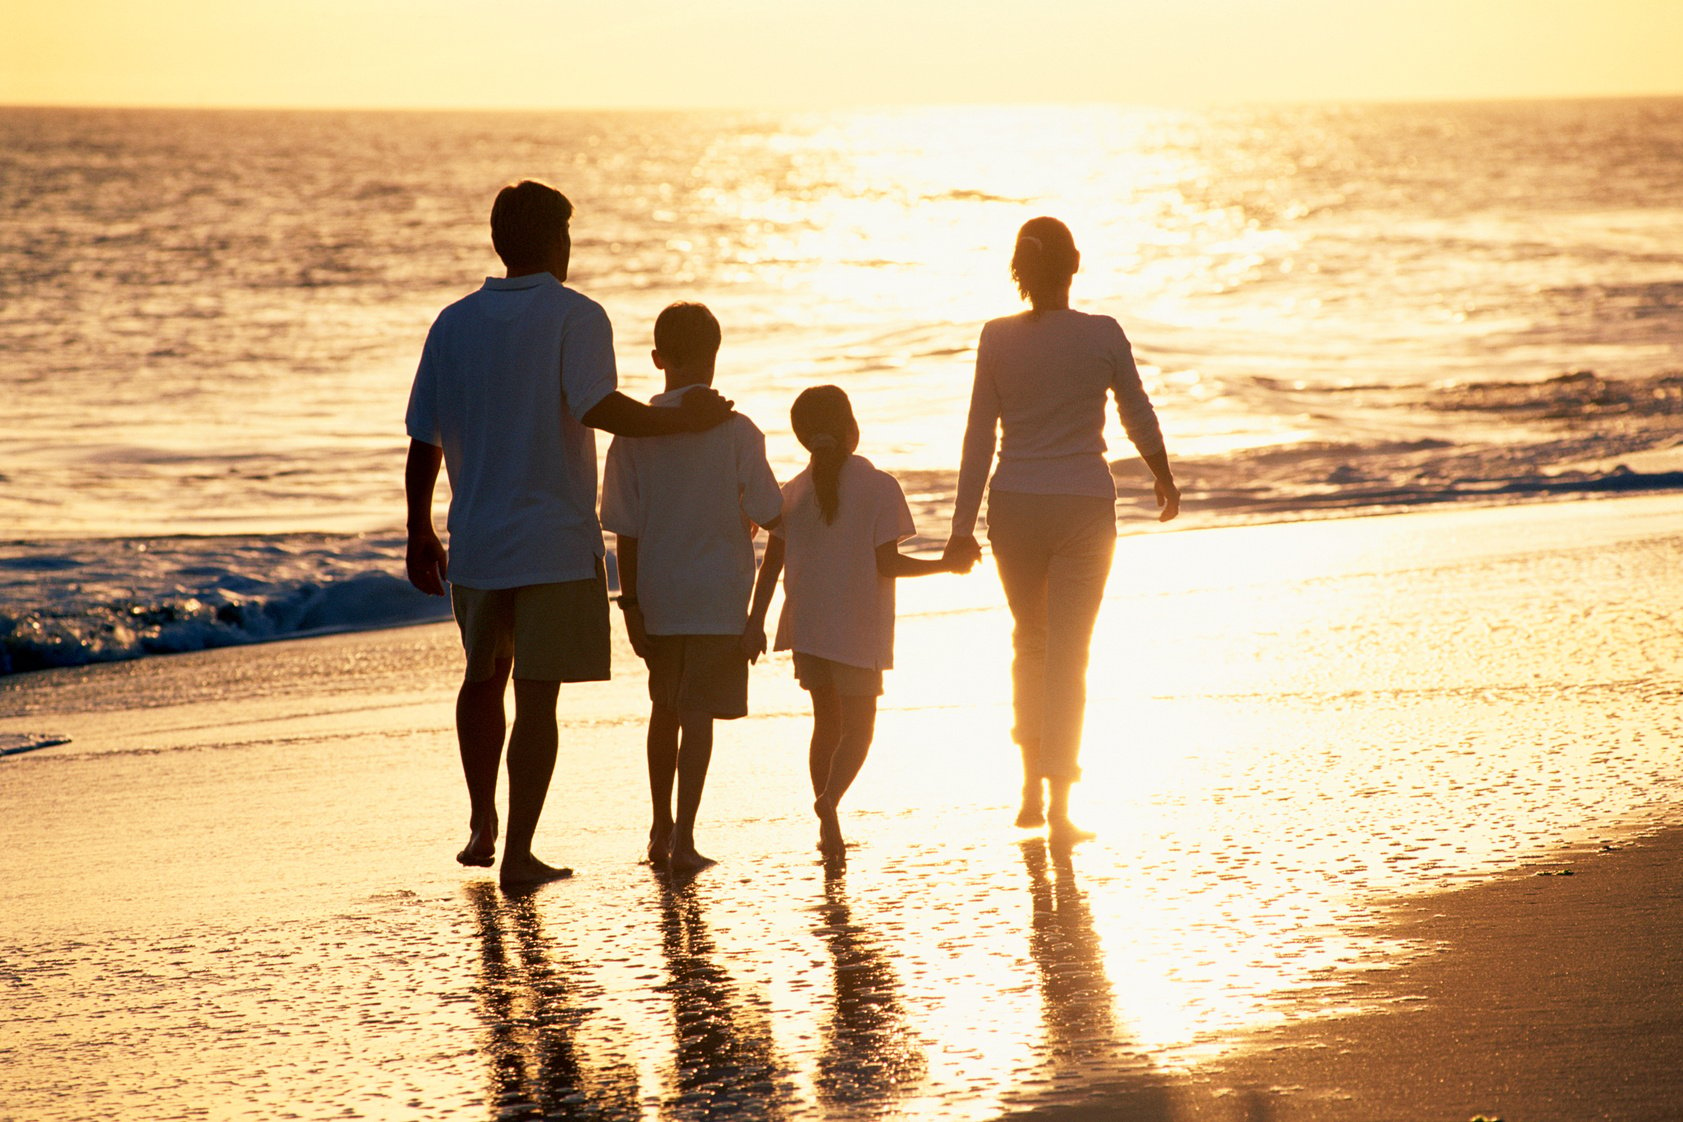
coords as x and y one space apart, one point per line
1086 1056
727 1060
869 1053
532 1013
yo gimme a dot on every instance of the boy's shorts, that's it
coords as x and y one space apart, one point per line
814 673
699 674
553 632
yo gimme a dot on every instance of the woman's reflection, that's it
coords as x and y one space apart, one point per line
532 1013
727 1060
870 1055
1085 1054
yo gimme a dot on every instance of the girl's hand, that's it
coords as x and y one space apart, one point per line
753 641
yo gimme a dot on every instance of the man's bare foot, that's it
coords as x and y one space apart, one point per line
660 845
684 858
481 848
529 872
830 841
1063 833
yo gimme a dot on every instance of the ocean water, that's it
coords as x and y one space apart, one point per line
209 320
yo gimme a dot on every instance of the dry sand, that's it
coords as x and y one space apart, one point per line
1327 760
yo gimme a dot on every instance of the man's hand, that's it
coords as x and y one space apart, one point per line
753 641
703 407
425 562
1168 499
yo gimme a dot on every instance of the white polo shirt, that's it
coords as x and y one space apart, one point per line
688 499
505 376
835 603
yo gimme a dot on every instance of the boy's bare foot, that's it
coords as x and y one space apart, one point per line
1063 833
481 847
684 859
830 841
529 872
660 844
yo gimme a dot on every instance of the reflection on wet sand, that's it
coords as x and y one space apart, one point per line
1087 1065
870 1055
532 1014
727 1059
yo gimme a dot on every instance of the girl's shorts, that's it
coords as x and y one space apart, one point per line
814 673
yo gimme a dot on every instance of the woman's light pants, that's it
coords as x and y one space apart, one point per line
1054 554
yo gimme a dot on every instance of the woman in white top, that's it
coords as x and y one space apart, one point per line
1039 396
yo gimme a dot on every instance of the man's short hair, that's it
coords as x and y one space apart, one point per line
686 333
527 220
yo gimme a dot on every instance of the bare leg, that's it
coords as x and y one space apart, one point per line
695 752
826 733
1024 560
1032 814
858 727
531 762
663 767
480 725
1062 832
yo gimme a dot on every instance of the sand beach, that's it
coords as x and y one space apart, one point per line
1387 814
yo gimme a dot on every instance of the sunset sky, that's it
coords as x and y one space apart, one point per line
803 53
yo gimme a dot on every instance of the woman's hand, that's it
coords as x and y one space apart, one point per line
962 553
1168 498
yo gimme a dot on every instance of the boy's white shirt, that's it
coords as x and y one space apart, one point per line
835 603
687 498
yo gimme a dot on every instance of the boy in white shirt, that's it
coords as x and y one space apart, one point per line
685 509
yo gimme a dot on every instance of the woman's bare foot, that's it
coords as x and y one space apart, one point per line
1063 833
830 841
1032 815
529 872
684 858
660 844
481 848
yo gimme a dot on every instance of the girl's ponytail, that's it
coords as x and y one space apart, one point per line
822 418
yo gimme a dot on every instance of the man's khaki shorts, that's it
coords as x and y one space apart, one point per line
814 673
699 674
552 632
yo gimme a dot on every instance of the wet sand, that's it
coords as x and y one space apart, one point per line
1326 760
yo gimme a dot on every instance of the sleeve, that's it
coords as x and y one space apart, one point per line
981 436
421 420
893 521
588 373
762 500
1139 419
783 526
621 510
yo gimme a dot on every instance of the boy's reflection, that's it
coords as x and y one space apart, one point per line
727 1059
869 1052
1085 1053
531 1013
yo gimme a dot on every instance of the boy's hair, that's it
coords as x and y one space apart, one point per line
527 220
822 418
686 333
1044 259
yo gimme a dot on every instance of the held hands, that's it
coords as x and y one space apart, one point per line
1168 499
753 641
425 562
635 630
962 553
703 407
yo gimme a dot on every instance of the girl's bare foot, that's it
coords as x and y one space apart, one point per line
685 859
481 848
529 872
830 841
660 844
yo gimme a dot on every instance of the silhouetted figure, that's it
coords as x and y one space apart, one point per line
843 522
531 1015
870 1054
686 508
727 1060
1039 397
511 381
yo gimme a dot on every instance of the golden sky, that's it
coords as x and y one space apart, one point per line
821 53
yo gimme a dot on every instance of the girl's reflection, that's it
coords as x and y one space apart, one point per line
869 1053
727 1059
532 1013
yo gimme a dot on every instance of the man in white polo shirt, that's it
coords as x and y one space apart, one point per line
685 510
511 382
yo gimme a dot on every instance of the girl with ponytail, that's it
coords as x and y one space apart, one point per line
839 543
